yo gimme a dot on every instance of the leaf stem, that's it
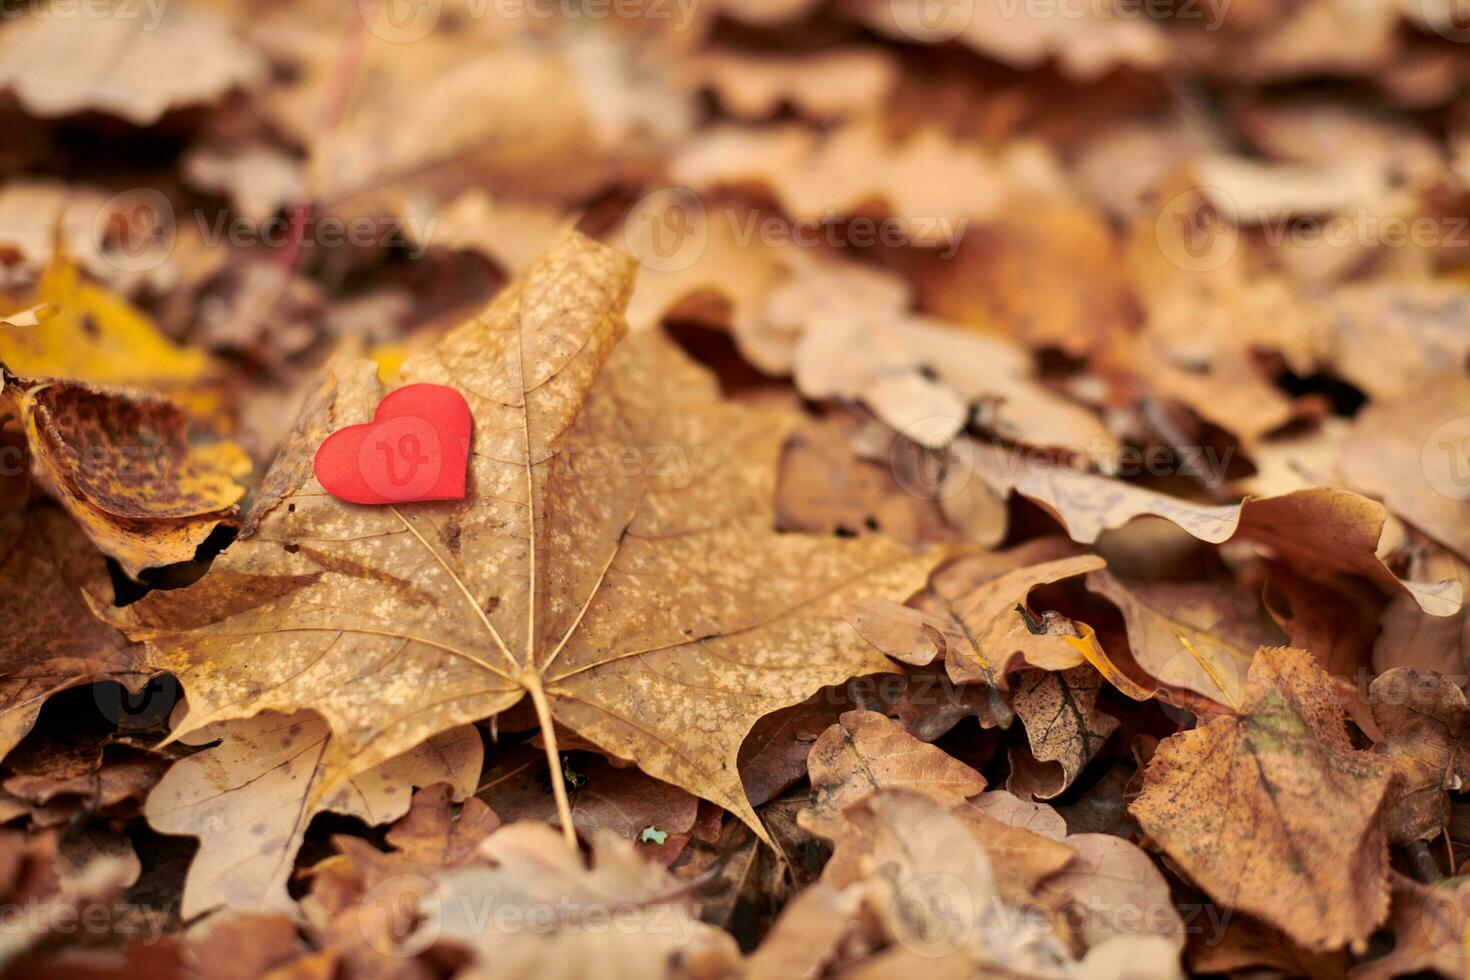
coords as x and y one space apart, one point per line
532 682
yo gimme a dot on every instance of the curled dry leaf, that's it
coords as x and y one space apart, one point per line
125 467
250 798
1320 528
1198 636
651 610
975 615
1064 728
1272 812
865 751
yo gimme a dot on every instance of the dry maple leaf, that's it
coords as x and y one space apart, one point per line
1273 812
123 465
648 606
250 798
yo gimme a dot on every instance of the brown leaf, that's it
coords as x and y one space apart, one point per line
865 752
548 902
1064 728
1112 889
1422 717
1320 528
1198 636
1271 810
667 617
1411 454
49 639
125 468
975 615
147 65
250 798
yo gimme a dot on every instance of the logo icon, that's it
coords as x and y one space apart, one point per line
415 448
1195 231
1445 459
135 231
400 21
667 230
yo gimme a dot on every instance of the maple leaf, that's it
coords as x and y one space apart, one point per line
250 798
649 606
1273 812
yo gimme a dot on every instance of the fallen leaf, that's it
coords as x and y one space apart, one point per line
250 798
1411 454
864 752
1272 812
1198 636
1322 527
638 639
549 902
1112 888
142 66
1422 717
125 467
49 639
1064 728
98 337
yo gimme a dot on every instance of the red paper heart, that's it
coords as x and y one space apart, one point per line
417 447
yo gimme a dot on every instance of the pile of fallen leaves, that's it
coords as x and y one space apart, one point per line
959 489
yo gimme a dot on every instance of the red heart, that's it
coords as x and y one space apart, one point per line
417 447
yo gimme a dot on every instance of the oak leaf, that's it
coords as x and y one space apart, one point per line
614 560
1271 810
